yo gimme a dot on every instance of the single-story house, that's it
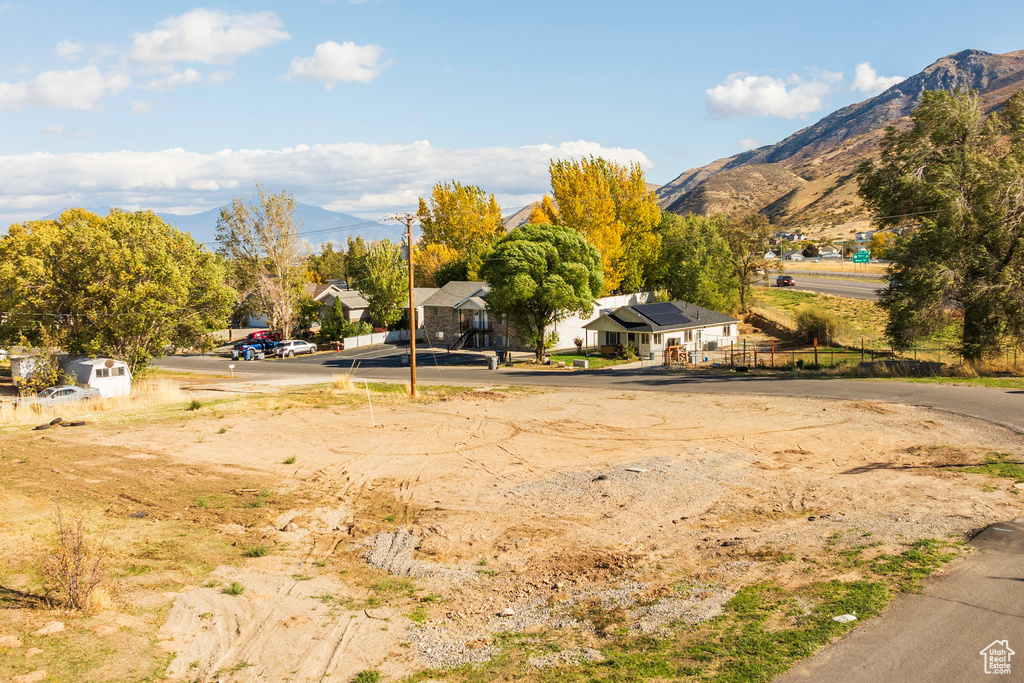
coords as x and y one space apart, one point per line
652 328
352 302
828 250
457 315
863 236
794 256
770 255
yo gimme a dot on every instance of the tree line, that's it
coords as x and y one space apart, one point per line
948 190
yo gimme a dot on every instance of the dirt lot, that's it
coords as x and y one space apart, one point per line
428 541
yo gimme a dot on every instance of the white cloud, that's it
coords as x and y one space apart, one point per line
220 77
59 130
208 36
67 50
20 69
750 143
744 95
352 177
332 62
142 107
867 80
176 79
78 89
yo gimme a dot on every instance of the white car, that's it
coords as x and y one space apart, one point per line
53 396
291 347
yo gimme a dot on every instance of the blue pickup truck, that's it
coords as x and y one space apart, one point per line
253 349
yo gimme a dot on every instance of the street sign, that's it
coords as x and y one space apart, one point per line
861 257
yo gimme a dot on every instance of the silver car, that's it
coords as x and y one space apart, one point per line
291 347
54 396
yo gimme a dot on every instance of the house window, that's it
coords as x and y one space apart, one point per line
611 338
645 338
673 341
688 335
118 372
631 338
102 373
657 339
727 331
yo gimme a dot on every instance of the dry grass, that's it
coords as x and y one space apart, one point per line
149 394
835 266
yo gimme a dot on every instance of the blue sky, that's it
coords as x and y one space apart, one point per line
362 106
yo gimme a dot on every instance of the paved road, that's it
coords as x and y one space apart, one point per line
937 636
1001 406
854 289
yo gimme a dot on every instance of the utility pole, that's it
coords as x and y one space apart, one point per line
407 219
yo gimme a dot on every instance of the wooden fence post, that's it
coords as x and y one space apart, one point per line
815 352
773 353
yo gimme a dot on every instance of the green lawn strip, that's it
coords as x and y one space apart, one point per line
762 632
596 362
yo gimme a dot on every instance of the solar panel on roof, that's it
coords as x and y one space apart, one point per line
663 314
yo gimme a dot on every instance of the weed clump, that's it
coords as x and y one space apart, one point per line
234 589
72 569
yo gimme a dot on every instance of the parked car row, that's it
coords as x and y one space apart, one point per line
258 345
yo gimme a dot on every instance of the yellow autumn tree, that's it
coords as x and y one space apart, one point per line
430 257
544 211
611 206
461 217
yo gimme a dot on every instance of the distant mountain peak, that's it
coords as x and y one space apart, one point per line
833 146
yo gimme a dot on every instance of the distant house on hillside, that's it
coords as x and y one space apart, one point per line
770 255
794 256
652 328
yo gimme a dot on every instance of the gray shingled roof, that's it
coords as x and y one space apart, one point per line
454 292
672 315
421 294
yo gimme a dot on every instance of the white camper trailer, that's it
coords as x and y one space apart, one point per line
110 377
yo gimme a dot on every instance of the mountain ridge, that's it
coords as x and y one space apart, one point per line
827 152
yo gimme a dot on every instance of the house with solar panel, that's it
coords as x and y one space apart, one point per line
653 329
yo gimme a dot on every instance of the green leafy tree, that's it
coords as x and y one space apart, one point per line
451 271
748 242
385 285
355 261
329 264
463 218
954 181
126 285
261 238
698 263
540 274
308 315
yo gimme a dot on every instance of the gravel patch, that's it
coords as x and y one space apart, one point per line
392 551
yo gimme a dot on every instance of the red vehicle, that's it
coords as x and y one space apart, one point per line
785 281
264 334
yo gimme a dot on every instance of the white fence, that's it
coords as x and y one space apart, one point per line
379 338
